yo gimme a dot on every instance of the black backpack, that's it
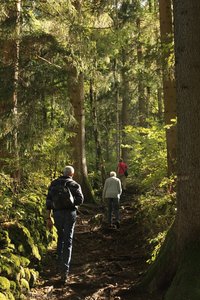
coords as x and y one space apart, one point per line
61 195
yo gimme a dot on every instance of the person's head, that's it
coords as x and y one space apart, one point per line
112 174
120 160
68 171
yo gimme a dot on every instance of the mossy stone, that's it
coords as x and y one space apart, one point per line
6 270
24 285
21 237
27 274
10 296
22 272
34 276
13 285
4 284
15 259
24 261
3 297
4 239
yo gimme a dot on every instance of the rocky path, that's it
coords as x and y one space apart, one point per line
105 261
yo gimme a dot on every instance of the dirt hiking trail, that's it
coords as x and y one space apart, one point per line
106 262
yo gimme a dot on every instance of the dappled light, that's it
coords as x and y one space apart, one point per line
105 260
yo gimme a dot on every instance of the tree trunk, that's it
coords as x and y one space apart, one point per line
141 96
168 84
177 266
9 151
76 94
16 170
117 99
99 158
125 105
160 105
148 97
187 49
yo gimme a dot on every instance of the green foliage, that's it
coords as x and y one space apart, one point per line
6 192
157 210
156 243
148 154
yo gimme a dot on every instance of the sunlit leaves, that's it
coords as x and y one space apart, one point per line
148 153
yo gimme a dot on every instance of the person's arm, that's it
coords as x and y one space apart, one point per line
76 191
79 198
120 187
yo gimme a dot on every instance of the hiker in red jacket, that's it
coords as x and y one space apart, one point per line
122 172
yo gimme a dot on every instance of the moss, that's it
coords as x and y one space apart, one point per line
22 272
6 270
34 276
4 239
4 284
20 248
27 274
23 241
13 285
24 285
8 267
10 296
3 297
17 278
22 297
24 261
15 259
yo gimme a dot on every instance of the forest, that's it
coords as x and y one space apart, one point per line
85 83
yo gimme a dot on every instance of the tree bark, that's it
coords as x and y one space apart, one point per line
9 152
160 104
169 91
15 150
125 105
187 47
99 158
76 94
117 99
141 96
176 270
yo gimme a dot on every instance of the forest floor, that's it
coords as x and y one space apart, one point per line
106 262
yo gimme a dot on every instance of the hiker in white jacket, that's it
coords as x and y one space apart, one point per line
111 193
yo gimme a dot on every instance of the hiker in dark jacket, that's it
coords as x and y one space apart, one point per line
64 220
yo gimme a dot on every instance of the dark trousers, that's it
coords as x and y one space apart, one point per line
64 222
113 209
